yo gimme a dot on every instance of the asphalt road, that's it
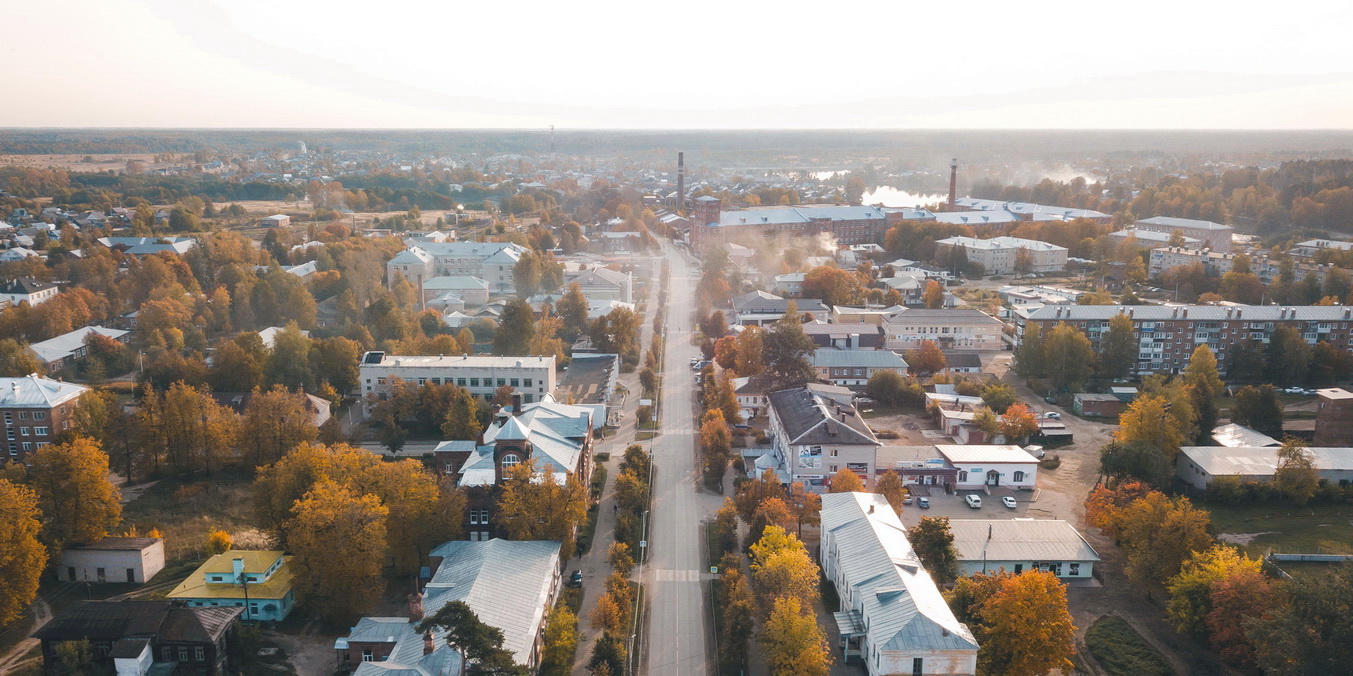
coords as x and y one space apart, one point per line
677 640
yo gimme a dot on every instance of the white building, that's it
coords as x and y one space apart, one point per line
602 284
490 261
1150 239
955 329
1311 247
68 348
790 283
816 432
980 466
892 616
532 377
1214 236
853 368
1198 466
998 254
1020 545
27 290
112 559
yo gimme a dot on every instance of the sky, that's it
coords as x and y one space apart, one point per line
694 64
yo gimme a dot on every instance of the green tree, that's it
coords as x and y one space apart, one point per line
1069 357
1258 407
1296 476
515 331
1138 460
462 416
1289 357
289 363
560 642
999 396
74 658
1201 374
1118 348
480 645
526 274
572 307
934 545
1031 359
787 352
16 360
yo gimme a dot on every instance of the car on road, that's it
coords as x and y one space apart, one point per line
576 579
1052 415
973 501
923 503
1008 501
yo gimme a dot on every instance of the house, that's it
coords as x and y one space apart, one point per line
318 408
303 270
590 379
17 253
816 432
490 261
845 336
1311 247
845 314
759 308
854 368
751 395
712 227
146 246
275 221
482 375
1149 239
917 466
1198 466
27 290
956 422
1093 405
891 616
981 466
1019 545
1028 211
1214 236
269 335
602 284
956 329
471 290
260 582
140 637
35 410
790 284
510 585
963 362
68 348
1232 435
112 559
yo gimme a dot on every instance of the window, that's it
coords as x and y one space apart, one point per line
422 382
39 415
474 517
460 382
1075 568
367 656
131 574
484 516
183 653
526 382
101 574
436 381
511 460
166 655
1019 476
514 382
502 382
23 415
917 665
23 431
40 431
200 654
474 382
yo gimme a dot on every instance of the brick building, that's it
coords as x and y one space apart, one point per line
712 226
1334 418
35 410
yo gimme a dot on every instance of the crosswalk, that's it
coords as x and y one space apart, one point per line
669 575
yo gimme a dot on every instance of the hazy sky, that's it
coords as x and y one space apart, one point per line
685 64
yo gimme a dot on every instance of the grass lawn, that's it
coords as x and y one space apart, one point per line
1317 529
1122 651
184 508
644 436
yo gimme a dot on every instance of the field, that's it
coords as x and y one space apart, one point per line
76 161
1260 529
1122 651
185 509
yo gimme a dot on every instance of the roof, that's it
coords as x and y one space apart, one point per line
1191 223
597 276
106 620
66 344
1092 396
557 433
1151 236
506 583
590 378
902 607
810 418
966 360
1258 313
34 391
198 625
24 286
454 283
1233 435
927 315
1019 540
985 454
799 214
468 361
197 587
1334 393
1000 243
874 359
116 544
1261 461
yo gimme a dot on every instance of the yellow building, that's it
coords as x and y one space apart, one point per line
259 582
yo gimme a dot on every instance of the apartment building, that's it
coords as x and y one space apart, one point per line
532 377
956 329
816 432
490 261
1215 236
998 255
1218 263
1167 335
35 410
1311 247
1149 239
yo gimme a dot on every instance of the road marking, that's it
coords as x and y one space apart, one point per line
669 575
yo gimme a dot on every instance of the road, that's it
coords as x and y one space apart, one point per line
677 640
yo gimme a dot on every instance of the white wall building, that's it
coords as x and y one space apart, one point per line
490 261
112 559
533 377
955 329
1021 545
816 432
998 254
1214 236
27 290
982 465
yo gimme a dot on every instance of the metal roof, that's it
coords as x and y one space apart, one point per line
985 454
1232 435
1261 461
34 391
1019 540
1191 223
811 418
64 345
1256 313
878 359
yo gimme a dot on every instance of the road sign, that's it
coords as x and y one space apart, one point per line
643 544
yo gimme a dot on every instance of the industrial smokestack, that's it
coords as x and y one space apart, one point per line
953 183
681 183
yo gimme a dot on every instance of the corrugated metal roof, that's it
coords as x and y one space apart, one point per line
1232 435
984 453
34 391
1019 540
64 345
1261 461
1172 222
1256 313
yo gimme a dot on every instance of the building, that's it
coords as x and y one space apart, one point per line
490 261
27 290
845 336
112 559
259 582
1219 263
602 284
1019 545
510 585
891 616
275 221
1214 236
1334 417
790 284
472 291
987 466
711 226
140 637
963 362
1311 247
955 329
1150 239
759 308
1038 294
1232 435
1094 405
1168 335
816 433
1002 255
1028 211
35 410
482 375
147 246
853 368
1198 466
848 314
590 379
68 348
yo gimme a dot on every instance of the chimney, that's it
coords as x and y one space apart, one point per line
681 182
428 644
953 183
871 509
415 607
237 567
516 403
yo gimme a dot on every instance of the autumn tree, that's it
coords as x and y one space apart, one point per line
846 481
1259 408
999 396
933 296
16 360
1118 348
1191 589
781 567
749 359
1159 533
805 505
219 541
1026 628
560 641
832 285
1018 423
22 556
532 505
1201 375
1148 420
1068 356
78 503
274 422
926 359
1296 476
1105 504
337 587
933 543
794 643
890 487
462 417
750 494
1139 460
1238 601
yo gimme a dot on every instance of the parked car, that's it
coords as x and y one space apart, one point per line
1036 451
1008 501
923 503
973 501
1052 415
906 499
576 579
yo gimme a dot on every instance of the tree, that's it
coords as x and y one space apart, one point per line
1159 533
462 417
1069 357
832 285
793 641
926 359
985 419
337 587
1258 407
1031 360
787 350
934 545
480 645
534 506
74 658
1296 476
805 505
721 397
1018 423
1201 374
289 363
1191 589
1138 460
516 330
1289 357
526 274
219 541
233 369
750 360
335 361
1147 419
1026 627
22 556
572 308
1118 353
1237 600
78 503
1310 633
560 641
846 481
618 556
887 387
890 487
726 352
933 296
999 396
274 422
16 360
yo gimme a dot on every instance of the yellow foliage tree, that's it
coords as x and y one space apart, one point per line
846 481
1147 419
339 588
22 556
1159 533
890 486
1191 590
794 643
78 503
1027 627
533 506
219 541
